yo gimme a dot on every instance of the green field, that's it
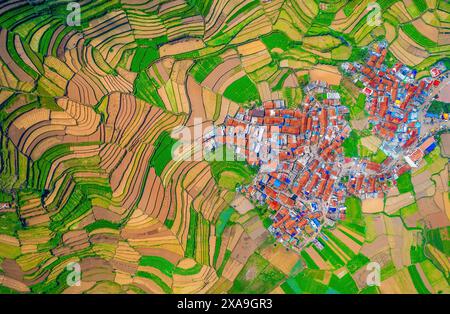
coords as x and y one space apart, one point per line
146 53
350 145
417 36
417 280
439 238
146 89
439 107
305 282
257 276
203 67
277 39
158 262
242 91
345 285
192 235
163 152
357 262
309 261
329 255
353 216
230 173
404 184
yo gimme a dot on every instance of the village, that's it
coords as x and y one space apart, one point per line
304 176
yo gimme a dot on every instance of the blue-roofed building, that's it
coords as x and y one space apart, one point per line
430 148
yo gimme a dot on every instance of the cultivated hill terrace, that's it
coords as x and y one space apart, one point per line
87 118
300 155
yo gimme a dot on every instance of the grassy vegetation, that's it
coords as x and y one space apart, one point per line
357 262
417 254
404 183
349 8
156 280
350 145
251 4
417 36
421 5
5 197
439 238
360 103
417 280
188 271
203 67
277 39
346 284
388 270
378 157
281 81
191 241
408 210
370 290
264 213
226 257
230 173
169 223
102 224
242 90
439 107
305 282
257 276
146 89
434 276
321 21
353 217
158 262
222 222
308 260
202 6
146 52
329 255
163 152
52 287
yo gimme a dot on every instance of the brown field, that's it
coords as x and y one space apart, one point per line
379 245
344 23
355 247
242 204
391 32
426 30
371 142
317 258
372 205
327 73
280 258
399 11
423 186
401 282
395 203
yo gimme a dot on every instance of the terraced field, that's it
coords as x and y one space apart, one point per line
86 174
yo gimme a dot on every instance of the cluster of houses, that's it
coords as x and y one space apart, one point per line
300 155
366 179
393 99
413 159
304 177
